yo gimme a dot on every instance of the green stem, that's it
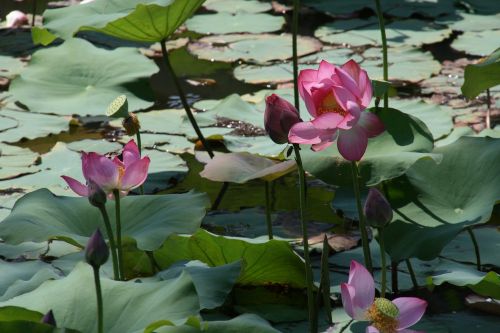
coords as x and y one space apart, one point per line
295 28
325 280
112 244
313 325
362 222
412 273
116 193
34 13
154 264
488 111
184 101
100 309
383 261
139 145
476 247
218 200
268 212
385 60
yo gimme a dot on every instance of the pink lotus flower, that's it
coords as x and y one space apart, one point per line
112 174
358 298
336 97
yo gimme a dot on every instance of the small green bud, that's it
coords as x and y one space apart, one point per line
96 252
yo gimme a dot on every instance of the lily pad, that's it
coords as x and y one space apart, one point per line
133 305
79 78
471 22
481 76
481 41
148 219
15 161
259 257
261 145
165 170
228 23
458 192
97 146
358 32
233 107
242 167
237 6
9 66
261 48
461 247
405 141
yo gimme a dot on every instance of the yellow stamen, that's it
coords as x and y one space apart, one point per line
121 172
383 313
329 104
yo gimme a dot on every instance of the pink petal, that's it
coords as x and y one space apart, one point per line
325 70
411 310
304 132
76 186
328 121
342 95
327 138
85 165
371 124
136 174
352 143
102 171
365 86
371 329
348 82
306 75
130 153
409 331
348 294
362 282
352 68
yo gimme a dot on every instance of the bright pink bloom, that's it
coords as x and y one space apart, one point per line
336 97
112 174
358 299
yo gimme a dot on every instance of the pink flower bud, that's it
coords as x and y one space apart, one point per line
96 252
279 117
49 319
16 19
378 211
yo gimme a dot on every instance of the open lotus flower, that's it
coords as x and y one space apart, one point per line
358 299
112 174
336 97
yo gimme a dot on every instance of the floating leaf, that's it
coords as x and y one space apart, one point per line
481 41
164 171
97 146
40 215
228 23
471 22
237 6
78 78
481 76
15 161
9 66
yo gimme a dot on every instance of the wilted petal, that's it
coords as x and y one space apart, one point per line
76 186
362 282
352 143
371 124
130 153
136 174
411 310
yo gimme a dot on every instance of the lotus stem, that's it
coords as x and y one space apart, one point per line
385 60
362 222
383 261
154 264
139 145
488 111
325 280
34 13
412 273
311 304
269 222
220 195
112 244
100 308
116 194
476 247
295 28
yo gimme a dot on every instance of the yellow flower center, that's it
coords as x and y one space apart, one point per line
121 172
329 104
383 313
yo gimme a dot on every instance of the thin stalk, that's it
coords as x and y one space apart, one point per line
218 200
116 193
385 60
112 244
488 111
34 13
412 273
100 308
383 261
154 264
325 280
313 325
268 212
139 145
184 101
476 247
295 28
362 222
394 277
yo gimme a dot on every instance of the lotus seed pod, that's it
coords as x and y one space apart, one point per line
131 124
118 108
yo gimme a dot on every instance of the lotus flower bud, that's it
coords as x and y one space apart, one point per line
378 211
131 124
16 19
279 117
96 252
49 319
97 197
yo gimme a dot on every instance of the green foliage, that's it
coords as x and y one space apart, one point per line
481 76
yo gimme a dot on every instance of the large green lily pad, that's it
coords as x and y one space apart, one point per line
40 215
15 161
9 66
228 23
481 41
237 6
261 48
78 78
148 22
436 201
128 306
259 257
471 22
405 141
165 170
